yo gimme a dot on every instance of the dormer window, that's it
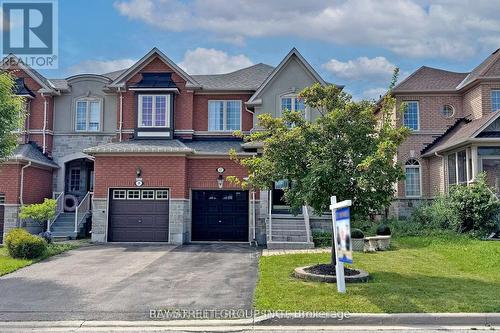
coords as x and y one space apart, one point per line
88 115
154 111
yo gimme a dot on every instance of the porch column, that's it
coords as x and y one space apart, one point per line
475 164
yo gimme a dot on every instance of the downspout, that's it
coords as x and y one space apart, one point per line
44 148
21 190
120 127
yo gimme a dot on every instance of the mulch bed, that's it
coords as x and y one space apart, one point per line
329 269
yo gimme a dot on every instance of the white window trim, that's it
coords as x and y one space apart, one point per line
71 178
116 192
418 115
224 115
87 101
153 115
441 111
142 195
128 192
420 180
457 182
165 198
491 97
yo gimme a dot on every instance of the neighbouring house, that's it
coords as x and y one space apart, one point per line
143 153
455 131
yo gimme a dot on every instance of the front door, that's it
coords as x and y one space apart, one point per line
220 216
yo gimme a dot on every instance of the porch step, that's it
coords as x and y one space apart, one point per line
288 232
64 227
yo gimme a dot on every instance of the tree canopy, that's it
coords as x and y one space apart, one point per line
348 151
11 114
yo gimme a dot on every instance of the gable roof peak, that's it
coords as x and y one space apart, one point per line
293 52
147 58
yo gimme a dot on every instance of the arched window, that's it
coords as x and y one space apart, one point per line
447 111
412 179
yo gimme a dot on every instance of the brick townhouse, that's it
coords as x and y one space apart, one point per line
143 153
455 131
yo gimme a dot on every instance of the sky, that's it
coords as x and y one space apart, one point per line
356 43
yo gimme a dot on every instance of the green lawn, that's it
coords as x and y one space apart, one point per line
8 264
439 274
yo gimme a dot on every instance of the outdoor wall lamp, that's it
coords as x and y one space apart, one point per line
138 172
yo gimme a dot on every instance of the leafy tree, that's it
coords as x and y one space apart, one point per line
348 152
41 212
11 114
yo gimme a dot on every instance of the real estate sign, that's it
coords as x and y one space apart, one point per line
343 235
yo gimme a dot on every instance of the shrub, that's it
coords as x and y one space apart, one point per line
357 234
41 212
22 244
476 207
322 238
383 230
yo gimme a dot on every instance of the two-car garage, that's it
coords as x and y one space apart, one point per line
142 215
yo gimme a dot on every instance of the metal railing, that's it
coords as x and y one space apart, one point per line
83 209
59 197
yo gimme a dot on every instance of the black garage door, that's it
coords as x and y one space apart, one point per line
138 215
220 216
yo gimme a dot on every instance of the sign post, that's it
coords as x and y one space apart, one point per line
342 238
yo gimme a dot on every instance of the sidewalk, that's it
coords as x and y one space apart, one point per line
266 252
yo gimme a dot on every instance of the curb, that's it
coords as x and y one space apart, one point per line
291 319
384 319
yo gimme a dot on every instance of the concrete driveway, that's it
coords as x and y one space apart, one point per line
118 282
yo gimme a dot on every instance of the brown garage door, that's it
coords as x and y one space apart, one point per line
138 215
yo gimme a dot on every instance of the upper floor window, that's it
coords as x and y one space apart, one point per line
154 111
412 179
88 115
292 103
411 116
447 111
224 115
495 100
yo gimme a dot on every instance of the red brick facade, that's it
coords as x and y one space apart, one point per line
37 183
179 173
200 111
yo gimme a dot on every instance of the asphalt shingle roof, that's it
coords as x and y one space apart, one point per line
30 152
485 69
141 146
463 130
214 146
430 79
249 78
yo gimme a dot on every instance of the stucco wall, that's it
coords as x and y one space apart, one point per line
65 105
